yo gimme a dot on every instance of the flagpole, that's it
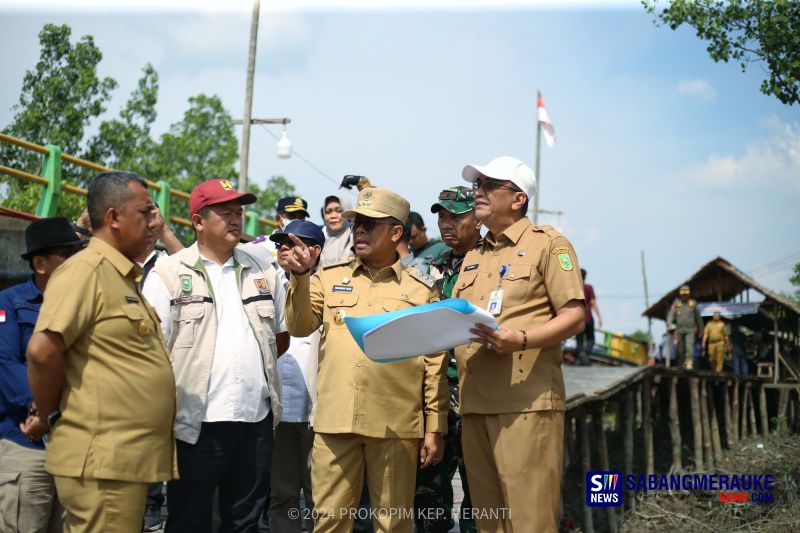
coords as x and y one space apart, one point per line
538 163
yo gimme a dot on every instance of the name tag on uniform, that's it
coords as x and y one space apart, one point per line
342 288
495 302
470 267
132 299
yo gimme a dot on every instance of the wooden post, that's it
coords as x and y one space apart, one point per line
735 410
751 402
647 426
704 420
602 449
628 440
726 407
697 432
762 406
586 465
782 421
715 442
675 426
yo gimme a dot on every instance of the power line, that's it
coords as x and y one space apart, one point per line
303 159
779 264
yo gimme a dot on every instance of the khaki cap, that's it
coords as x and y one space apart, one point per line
380 203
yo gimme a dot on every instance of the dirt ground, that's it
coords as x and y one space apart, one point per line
704 511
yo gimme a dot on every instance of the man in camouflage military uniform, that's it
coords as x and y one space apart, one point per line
684 319
460 230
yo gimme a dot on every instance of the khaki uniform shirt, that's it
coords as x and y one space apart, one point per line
401 399
118 400
715 330
541 274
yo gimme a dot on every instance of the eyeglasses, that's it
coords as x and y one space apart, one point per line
369 223
491 184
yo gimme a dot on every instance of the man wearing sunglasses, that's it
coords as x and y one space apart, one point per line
31 503
382 417
512 389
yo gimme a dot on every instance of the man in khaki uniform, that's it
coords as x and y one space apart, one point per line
717 338
369 415
99 371
684 320
512 389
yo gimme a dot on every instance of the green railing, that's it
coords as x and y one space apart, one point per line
53 186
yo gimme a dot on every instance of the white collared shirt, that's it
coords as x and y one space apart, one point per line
238 389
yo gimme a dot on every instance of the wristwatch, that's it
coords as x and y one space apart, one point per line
50 419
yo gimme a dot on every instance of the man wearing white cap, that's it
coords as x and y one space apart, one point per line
512 389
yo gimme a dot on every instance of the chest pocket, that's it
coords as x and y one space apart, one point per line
340 305
395 304
266 314
186 319
465 285
518 284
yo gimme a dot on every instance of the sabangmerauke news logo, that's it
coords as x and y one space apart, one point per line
603 488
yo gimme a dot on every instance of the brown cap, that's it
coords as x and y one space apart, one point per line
380 203
685 289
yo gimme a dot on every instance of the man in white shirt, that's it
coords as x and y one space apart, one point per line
221 314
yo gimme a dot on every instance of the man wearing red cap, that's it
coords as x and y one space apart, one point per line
222 317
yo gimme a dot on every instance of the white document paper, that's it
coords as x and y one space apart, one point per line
418 330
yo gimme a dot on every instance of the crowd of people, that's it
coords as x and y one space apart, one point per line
226 369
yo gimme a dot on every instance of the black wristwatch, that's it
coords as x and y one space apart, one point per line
50 419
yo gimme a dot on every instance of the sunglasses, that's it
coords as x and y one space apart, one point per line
369 223
491 184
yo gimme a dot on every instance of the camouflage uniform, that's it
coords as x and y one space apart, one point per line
433 501
684 319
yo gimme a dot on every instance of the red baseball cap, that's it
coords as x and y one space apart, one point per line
217 191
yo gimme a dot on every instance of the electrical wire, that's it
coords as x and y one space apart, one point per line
303 159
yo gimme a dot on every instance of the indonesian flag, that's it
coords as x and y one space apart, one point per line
544 121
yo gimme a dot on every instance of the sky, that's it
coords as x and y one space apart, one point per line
658 149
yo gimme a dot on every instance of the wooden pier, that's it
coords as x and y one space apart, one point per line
613 414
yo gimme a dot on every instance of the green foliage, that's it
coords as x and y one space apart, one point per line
794 279
746 31
276 188
125 143
63 94
641 336
60 96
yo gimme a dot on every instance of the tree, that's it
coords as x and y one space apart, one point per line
125 143
794 279
59 98
276 188
747 31
641 336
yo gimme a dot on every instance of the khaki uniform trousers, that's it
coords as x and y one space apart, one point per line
514 465
337 476
102 505
28 500
716 355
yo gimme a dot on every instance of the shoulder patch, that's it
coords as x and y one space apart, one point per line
426 280
337 261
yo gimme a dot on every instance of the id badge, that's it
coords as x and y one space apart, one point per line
495 302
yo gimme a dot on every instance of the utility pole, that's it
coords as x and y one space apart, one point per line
647 305
248 98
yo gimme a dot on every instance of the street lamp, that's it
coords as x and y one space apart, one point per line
284 145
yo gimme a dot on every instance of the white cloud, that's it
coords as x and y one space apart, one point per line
698 88
772 161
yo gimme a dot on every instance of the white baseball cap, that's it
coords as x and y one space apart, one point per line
507 168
